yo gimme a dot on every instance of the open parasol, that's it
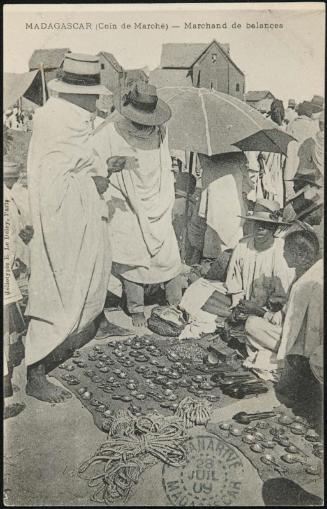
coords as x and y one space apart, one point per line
210 122
268 140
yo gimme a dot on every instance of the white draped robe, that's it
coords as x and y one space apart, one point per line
70 250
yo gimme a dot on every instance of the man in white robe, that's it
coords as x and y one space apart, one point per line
301 128
145 249
70 251
224 181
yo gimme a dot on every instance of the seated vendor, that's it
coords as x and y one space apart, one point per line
258 277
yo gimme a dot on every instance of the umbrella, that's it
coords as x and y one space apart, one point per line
268 140
210 122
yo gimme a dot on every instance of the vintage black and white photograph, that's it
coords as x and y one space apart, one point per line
163 209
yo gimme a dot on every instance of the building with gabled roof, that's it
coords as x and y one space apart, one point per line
183 55
200 65
259 99
133 75
112 73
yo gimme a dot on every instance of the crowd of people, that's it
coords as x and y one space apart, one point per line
237 245
19 119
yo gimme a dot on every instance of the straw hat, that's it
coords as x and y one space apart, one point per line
80 74
10 169
291 103
267 211
142 105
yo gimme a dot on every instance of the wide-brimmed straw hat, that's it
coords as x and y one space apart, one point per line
10 169
143 106
267 211
80 74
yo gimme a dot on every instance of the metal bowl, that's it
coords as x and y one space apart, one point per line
249 439
298 429
257 448
236 432
212 398
225 426
285 420
140 396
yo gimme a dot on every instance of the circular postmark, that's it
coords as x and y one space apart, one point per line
211 476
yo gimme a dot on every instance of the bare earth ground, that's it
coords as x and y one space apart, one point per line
45 444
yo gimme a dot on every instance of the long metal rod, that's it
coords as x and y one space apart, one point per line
190 169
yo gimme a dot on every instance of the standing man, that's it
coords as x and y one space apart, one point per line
301 128
13 262
145 249
70 251
290 113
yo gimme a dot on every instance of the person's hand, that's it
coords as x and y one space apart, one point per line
26 234
249 307
119 163
101 183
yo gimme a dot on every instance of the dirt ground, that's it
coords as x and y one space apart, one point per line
45 444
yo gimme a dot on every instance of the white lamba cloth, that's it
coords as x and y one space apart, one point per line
200 322
70 250
251 273
141 200
221 200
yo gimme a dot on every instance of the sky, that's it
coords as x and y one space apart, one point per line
289 61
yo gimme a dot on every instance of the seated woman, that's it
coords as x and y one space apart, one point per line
258 276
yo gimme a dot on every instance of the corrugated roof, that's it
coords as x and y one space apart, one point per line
50 58
112 60
170 77
257 95
183 54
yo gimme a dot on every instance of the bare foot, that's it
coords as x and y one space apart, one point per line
40 388
13 410
138 320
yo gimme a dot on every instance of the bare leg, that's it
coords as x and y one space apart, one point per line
40 388
173 290
135 302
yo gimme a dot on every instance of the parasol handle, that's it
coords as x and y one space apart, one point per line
190 168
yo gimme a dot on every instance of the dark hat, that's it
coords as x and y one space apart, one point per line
80 74
267 211
142 105
305 108
318 101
